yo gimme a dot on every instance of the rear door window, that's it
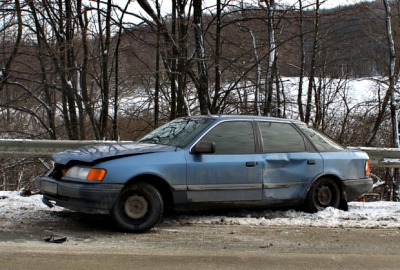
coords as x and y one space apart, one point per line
281 138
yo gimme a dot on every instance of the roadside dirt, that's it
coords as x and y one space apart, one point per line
93 241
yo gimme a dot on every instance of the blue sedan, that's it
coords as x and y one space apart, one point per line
207 161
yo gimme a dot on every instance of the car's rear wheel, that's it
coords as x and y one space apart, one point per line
322 194
138 208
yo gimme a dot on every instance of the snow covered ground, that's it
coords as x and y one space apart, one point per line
15 208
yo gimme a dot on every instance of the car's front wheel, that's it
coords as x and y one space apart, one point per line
322 194
138 208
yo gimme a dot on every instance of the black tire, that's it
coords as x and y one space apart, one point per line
138 208
322 194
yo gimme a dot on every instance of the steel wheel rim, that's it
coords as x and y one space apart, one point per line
136 207
324 195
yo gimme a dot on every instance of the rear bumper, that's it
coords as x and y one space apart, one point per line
92 198
355 188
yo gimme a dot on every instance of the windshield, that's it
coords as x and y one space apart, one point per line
177 133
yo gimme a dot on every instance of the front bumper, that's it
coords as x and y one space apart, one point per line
357 187
91 198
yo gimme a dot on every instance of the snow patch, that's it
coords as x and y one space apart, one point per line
15 208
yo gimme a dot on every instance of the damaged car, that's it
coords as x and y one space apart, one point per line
207 161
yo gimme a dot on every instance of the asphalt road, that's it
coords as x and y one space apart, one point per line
93 243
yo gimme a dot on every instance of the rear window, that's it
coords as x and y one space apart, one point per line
322 142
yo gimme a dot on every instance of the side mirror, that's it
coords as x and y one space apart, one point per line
203 148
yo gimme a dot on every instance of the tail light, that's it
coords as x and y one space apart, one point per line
367 168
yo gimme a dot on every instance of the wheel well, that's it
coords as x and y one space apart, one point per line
336 179
161 185
343 198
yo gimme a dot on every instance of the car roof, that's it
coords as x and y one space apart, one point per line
244 117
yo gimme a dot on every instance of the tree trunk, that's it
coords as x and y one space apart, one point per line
302 62
314 53
48 97
393 104
83 24
104 55
172 66
4 73
202 78
258 78
182 59
217 70
157 82
67 52
269 85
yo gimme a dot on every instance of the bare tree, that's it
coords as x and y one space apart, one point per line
176 60
201 80
4 73
314 53
104 43
302 62
217 56
83 69
158 70
393 78
269 85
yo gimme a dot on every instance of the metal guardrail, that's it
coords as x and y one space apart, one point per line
380 157
39 148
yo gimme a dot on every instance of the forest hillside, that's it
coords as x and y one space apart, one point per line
114 70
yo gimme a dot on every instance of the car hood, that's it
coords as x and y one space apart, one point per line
102 152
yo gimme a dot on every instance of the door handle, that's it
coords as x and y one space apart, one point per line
311 162
251 164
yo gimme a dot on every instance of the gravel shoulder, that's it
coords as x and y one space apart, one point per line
365 237
92 242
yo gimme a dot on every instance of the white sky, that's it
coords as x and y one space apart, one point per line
326 3
166 4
